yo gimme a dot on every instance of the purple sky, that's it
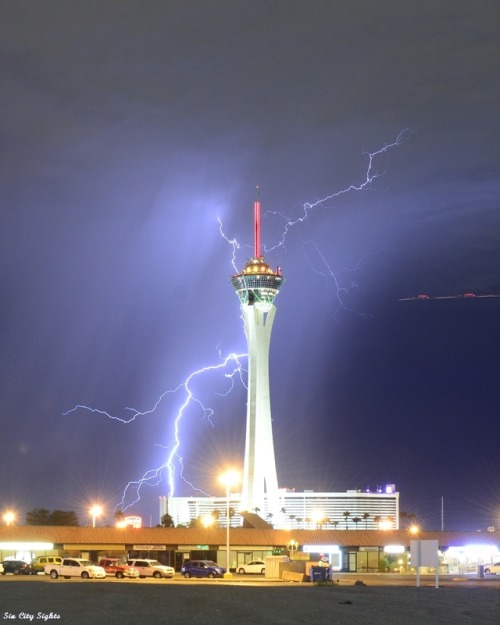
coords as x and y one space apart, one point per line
129 128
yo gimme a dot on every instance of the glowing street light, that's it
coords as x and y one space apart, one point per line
207 520
317 517
95 511
292 546
9 517
229 478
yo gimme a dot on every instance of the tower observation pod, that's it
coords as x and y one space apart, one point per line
257 287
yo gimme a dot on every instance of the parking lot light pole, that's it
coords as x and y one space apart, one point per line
229 478
95 511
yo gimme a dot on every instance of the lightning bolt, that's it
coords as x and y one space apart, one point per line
154 476
232 367
370 176
330 276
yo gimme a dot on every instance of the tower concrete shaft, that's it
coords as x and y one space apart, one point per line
257 287
260 480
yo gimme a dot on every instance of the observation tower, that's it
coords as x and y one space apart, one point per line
257 287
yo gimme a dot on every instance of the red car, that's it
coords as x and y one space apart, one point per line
117 568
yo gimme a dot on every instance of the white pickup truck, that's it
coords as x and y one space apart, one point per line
75 567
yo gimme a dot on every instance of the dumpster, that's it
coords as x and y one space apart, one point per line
320 573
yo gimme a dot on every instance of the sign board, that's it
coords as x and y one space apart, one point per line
424 553
149 547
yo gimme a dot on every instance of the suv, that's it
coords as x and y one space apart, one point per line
201 568
18 567
492 569
152 568
38 564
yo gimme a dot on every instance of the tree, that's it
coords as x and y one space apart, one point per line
346 514
38 516
366 516
356 520
63 517
42 516
167 521
409 517
196 523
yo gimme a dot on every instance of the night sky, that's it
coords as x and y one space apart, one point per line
130 128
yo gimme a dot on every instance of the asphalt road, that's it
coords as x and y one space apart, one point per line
381 600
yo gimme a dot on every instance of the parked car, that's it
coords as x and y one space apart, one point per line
201 568
152 568
17 567
75 567
39 563
117 568
492 569
255 566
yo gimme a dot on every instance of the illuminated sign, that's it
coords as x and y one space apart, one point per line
394 549
321 549
27 546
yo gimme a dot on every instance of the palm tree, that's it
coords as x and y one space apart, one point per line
346 514
292 517
335 523
366 516
377 520
356 520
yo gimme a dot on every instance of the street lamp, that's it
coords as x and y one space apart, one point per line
292 546
95 511
229 478
9 517
207 520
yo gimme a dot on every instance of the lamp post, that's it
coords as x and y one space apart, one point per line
293 545
9 517
95 511
229 478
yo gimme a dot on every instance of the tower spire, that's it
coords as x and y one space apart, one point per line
256 210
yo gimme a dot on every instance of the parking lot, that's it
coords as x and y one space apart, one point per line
246 600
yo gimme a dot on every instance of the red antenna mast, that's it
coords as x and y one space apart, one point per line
256 208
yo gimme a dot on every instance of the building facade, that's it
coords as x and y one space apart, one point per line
349 551
352 509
